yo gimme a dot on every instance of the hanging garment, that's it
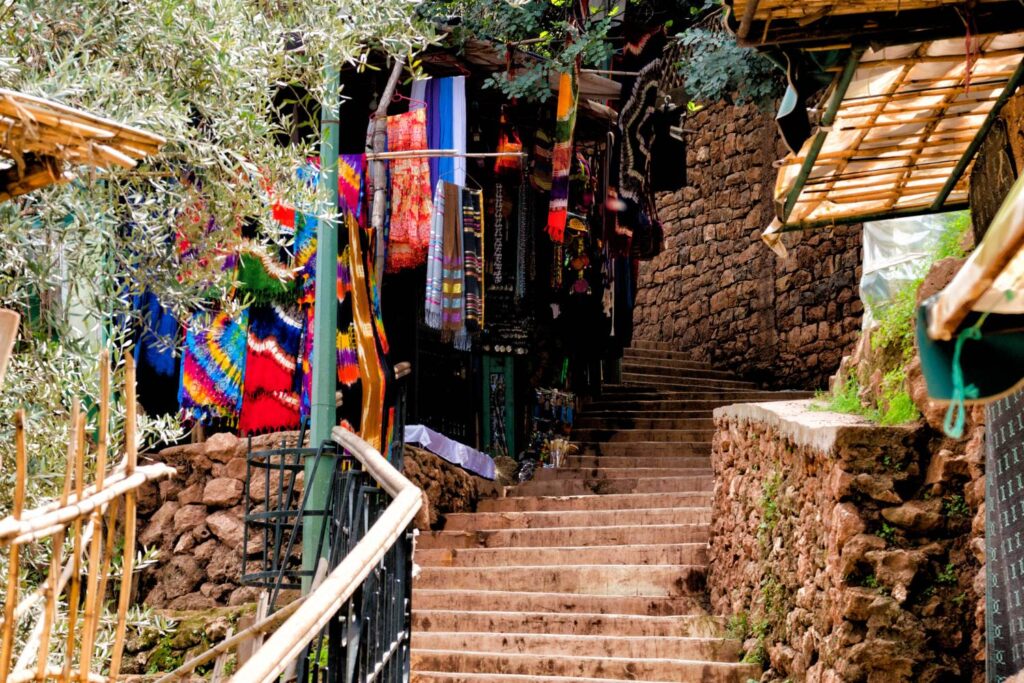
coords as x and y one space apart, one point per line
561 160
263 277
409 233
212 369
270 401
473 235
636 123
540 176
305 256
350 180
508 143
156 362
452 277
435 260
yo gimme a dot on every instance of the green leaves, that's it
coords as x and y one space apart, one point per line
717 68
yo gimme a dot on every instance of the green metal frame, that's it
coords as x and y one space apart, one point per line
827 119
323 408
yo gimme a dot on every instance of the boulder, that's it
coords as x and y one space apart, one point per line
161 524
227 528
189 517
222 492
223 447
917 516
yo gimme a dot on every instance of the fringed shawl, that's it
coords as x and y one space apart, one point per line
211 374
435 259
271 401
452 277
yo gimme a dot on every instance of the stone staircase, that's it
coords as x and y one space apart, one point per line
595 571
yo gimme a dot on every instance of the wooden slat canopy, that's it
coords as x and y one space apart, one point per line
40 137
899 131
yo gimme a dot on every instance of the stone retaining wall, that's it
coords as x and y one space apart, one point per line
845 551
718 293
196 519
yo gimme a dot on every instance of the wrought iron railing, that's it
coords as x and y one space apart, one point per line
354 625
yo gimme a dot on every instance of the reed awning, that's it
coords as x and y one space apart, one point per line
898 133
40 139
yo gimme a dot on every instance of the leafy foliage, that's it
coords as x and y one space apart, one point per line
717 68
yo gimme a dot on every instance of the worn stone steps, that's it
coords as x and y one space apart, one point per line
693 510
660 381
670 358
555 603
658 435
694 625
614 461
612 668
562 536
569 472
705 421
462 677
643 448
584 487
634 554
683 414
667 368
711 649
593 579
594 503
655 345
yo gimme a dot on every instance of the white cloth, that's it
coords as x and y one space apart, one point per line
454 452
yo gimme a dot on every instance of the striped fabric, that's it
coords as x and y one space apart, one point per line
472 235
434 261
561 161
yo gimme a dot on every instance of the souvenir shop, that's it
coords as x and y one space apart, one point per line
504 270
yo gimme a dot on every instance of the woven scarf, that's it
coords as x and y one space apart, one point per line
452 275
270 401
561 160
472 237
409 234
435 258
211 373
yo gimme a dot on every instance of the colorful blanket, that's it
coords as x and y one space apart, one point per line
452 276
263 277
270 401
435 259
561 162
211 373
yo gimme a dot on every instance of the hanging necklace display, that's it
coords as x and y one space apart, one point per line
522 235
499 235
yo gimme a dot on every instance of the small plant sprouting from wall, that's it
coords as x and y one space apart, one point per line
769 504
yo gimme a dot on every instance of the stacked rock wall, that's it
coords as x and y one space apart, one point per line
846 551
719 293
196 520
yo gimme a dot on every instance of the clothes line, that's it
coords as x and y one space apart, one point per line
428 153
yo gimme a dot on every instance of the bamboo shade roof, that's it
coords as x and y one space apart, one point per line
809 10
40 138
899 131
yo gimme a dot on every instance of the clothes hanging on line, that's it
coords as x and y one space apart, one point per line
213 365
157 335
473 236
270 400
409 233
561 161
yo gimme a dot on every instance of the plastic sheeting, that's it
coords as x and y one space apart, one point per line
454 452
896 252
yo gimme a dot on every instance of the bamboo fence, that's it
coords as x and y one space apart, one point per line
88 517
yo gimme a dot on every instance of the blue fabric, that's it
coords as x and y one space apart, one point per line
446 165
435 120
158 337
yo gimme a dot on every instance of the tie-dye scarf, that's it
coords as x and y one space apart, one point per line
561 161
409 233
211 373
270 401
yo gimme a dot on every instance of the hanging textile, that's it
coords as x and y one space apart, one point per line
508 143
350 178
540 176
561 160
156 362
270 401
435 260
211 373
523 212
305 256
409 233
636 122
444 100
472 235
263 277
452 278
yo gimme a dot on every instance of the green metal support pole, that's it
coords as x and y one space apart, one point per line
819 137
325 321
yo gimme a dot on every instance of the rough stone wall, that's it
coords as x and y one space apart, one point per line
845 551
196 520
719 293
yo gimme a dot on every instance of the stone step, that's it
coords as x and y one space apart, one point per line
564 536
592 579
622 625
634 554
592 503
603 487
655 345
611 668
698 513
643 448
632 435
567 472
705 412
680 356
665 368
705 421
461 677
559 603
660 381
708 649
613 461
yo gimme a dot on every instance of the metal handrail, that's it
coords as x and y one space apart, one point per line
293 637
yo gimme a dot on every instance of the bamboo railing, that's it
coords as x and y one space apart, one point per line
89 517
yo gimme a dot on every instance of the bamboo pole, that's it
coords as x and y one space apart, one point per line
128 558
50 674
376 146
93 601
13 581
437 153
76 556
123 130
